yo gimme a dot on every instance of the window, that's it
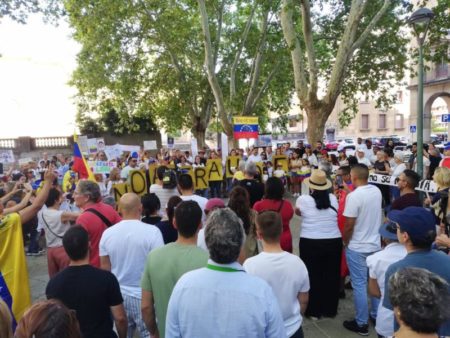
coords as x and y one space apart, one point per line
365 121
292 123
399 96
398 121
382 121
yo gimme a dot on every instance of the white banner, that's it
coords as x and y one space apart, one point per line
150 145
224 147
194 148
82 143
424 185
6 156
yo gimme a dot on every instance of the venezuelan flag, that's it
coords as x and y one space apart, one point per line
14 284
245 127
79 163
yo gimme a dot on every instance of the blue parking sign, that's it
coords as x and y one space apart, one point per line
412 129
445 118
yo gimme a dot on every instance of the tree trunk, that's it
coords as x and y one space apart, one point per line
199 131
316 117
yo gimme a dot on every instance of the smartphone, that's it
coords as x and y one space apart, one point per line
339 182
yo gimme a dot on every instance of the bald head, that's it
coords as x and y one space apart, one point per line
130 206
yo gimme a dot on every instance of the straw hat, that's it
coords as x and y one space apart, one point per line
318 180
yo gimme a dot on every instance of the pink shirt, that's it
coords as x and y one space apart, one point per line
95 227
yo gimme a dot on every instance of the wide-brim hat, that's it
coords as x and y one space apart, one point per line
318 180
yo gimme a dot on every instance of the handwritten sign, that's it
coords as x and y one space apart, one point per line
424 185
101 167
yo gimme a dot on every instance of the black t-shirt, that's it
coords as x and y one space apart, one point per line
169 233
380 165
151 219
255 190
407 200
90 292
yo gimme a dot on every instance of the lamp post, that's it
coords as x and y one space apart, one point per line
420 20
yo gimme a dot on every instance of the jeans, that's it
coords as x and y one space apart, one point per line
33 247
359 274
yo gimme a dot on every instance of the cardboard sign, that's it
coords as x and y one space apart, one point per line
82 143
283 159
101 167
214 169
138 182
231 162
150 145
424 185
6 156
92 145
119 189
260 166
200 178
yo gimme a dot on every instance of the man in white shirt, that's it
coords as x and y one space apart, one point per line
123 251
378 263
361 238
254 157
285 272
186 188
132 165
361 157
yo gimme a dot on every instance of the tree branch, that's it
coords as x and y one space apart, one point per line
294 46
257 63
363 37
237 56
264 86
210 69
219 31
309 43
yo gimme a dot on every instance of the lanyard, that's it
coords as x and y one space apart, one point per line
222 268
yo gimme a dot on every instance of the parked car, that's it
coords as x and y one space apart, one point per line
346 143
331 145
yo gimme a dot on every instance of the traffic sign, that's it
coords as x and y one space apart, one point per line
445 118
412 129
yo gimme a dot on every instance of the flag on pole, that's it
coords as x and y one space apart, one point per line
245 127
80 165
14 284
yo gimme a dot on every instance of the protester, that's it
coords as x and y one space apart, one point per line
56 223
446 160
295 165
273 200
96 217
252 311
166 227
310 156
254 188
239 202
186 188
123 249
378 263
362 159
320 245
420 300
285 273
407 183
163 193
132 165
361 239
254 156
151 207
167 264
416 230
92 293
382 167
48 319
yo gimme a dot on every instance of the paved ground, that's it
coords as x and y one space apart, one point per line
323 328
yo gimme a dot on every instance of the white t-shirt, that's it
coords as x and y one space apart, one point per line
201 202
128 244
279 173
364 204
51 218
287 275
378 263
364 160
318 224
398 170
126 171
312 159
164 195
254 158
201 242
426 163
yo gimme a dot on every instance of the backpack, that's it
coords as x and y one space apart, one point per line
169 180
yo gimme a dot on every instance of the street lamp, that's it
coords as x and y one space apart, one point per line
420 20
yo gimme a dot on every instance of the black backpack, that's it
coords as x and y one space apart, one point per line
169 179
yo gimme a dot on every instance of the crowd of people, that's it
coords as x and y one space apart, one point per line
176 261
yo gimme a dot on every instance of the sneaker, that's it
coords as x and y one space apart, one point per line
373 321
353 326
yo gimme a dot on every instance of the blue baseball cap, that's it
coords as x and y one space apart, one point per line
416 221
134 155
447 146
389 230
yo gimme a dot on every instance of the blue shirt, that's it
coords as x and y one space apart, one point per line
211 303
431 260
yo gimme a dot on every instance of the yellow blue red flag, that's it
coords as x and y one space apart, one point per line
80 165
14 283
245 127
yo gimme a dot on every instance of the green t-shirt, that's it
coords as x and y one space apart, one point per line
164 267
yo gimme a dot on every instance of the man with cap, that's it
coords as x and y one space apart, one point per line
378 263
243 305
445 162
132 165
362 159
416 230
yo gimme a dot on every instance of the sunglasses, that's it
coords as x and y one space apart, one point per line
392 226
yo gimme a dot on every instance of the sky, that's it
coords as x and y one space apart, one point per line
36 63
